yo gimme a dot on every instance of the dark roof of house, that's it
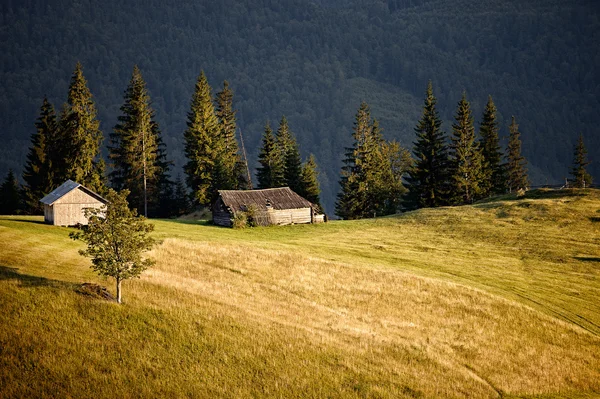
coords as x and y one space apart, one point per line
66 188
278 198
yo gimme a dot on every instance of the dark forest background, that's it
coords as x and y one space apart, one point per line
314 61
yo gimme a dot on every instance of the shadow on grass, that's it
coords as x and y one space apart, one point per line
595 219
587 259
12 273
25 220
207 223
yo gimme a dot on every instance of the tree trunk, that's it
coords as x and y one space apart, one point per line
118 291
144 155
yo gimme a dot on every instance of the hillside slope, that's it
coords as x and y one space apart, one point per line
493 300
313 62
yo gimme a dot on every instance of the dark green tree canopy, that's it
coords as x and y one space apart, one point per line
369 182
466 161
428 179
270 173
494 181
309 182
81 137
10 197
134 148
116 239
581 178
230 173
292 164
41 159
516 171
203 144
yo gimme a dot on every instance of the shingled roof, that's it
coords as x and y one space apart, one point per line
278 198
66 188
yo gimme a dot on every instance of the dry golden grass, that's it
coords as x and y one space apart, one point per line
444 338
499 299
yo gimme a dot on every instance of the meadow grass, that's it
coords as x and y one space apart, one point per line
499 299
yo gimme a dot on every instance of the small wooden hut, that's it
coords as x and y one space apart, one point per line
64 206
271 206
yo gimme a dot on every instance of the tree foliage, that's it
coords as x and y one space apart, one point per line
81 137
116 239
134 149
494 181
10 197
41 159
428 179
581 178
466 160
230 171
369 182
202 144
309 182
270 173
516 171
292 163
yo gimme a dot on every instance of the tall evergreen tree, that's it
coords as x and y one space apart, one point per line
466 161
202 144
10 199
581 178
428 179
515 166
395 164
359 195
270 173
230 169
134 149
292 164
81 136
38 176
493 170
309 182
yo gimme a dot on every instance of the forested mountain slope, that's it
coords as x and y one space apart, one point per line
314 61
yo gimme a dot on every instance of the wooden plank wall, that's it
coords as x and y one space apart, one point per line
68 210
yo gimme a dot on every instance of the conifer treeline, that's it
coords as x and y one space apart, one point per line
281 165
378 177
68 147
454 170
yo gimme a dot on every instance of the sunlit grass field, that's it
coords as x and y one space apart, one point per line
499 299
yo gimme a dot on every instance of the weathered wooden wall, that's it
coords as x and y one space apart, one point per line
68 210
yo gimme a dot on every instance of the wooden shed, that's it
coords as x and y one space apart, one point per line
271 206
64 206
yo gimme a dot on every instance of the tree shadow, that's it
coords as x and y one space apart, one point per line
26 280
189 222
26 221
588 258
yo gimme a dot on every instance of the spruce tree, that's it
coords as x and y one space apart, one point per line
81 136
493 170
428 179
270 173
353 199
202 144
292 164
396 162
10 198
38 176
581 178
309 182
134 149
230 172
466 161
515 166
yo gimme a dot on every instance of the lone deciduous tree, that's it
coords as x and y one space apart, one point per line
116 238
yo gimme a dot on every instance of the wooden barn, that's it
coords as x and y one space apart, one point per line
271 206
64 206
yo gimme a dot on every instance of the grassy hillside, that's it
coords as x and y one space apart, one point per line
499 299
